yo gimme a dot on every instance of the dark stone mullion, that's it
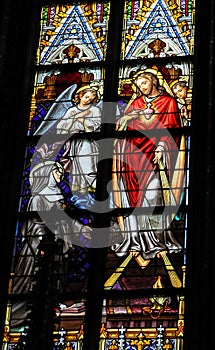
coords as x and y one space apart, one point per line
95 291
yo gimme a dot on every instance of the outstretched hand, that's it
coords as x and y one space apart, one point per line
125 118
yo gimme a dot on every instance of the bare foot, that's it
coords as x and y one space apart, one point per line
134 253
160 254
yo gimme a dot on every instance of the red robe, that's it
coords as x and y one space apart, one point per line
137 153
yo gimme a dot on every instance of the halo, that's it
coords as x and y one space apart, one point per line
154 71
162 82
157 73
178 81
90 87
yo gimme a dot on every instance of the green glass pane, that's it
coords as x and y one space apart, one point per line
158 28
73 33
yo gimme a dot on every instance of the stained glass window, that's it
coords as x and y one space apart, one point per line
109 173
158 29
73 33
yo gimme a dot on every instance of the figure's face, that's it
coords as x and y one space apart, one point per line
145 85
58 174
87 97
180 91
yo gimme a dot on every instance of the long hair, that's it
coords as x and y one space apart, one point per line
81 91
150 76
